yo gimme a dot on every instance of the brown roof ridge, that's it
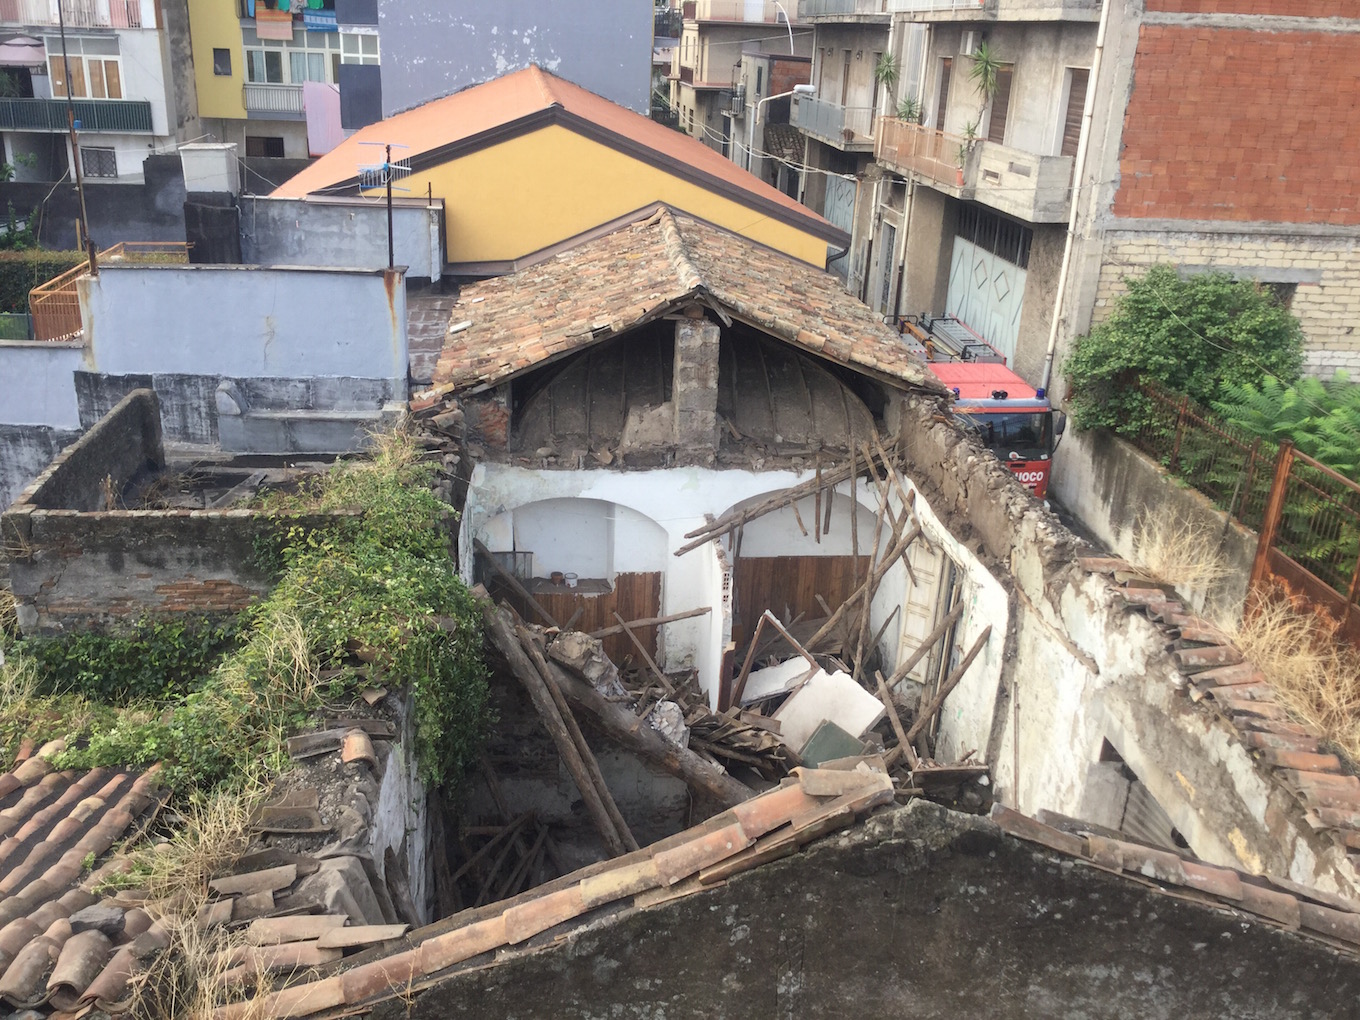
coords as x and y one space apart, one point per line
677 251
1218 677
1311 912
769 825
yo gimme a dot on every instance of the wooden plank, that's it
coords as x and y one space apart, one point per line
635 596
780 583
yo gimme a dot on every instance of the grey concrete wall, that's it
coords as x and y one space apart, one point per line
917 914
151 211
1109 486
24 451
602 45
929 243
245 322
341 233
1041 289
35 383
125 441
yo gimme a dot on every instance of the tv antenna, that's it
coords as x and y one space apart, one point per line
382 175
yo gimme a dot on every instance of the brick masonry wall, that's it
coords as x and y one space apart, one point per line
1243 125
75 571
1329 310
1277 8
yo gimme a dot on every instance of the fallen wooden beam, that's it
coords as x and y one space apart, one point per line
903 744
501 629
650 622
618 723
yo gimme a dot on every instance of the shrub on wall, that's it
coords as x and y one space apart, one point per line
21 271
1193 336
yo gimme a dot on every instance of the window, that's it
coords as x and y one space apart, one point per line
264 146
358 49
222 63
96 72
315 58
98 162
1076 106
760 80
1001 105
873 103
845 77
990 231
942 98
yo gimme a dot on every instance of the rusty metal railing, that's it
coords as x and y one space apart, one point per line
55 305
1306 515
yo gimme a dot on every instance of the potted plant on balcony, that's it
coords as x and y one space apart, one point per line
910 110
970 134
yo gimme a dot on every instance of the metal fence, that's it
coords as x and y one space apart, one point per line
55 305
1307 516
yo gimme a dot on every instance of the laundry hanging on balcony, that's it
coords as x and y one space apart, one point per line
270 24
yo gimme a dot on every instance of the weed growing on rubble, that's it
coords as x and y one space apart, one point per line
1177 552
379 586
1315 674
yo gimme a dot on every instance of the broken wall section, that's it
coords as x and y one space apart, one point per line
1082 669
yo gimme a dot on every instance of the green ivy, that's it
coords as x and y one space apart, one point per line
380 585
155 659
1195 336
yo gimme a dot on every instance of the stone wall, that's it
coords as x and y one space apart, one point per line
1322 267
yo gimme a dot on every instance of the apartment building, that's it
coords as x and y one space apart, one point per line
122 67
763 140
286 79
707 69
1029 155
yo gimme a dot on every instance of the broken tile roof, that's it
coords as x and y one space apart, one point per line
1218 677
762 829
62 947
638 272
490 113
809 804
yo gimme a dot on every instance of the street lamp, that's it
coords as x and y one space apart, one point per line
797 90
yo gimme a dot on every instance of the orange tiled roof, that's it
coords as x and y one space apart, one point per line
608 285
485 114
58 950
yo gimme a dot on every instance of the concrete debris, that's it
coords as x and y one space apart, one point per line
668 719
827 697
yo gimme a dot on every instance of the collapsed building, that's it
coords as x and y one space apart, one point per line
723 519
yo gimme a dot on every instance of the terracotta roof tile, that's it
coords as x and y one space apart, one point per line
590 293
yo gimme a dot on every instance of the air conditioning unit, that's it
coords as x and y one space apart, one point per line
970 43
738 99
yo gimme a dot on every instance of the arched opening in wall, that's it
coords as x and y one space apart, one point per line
772 395
582 561
609 396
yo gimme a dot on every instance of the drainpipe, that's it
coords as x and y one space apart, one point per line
1078 172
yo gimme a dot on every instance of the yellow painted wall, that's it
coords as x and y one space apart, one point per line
216 24
533 191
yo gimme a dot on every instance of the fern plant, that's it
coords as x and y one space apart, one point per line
1321 419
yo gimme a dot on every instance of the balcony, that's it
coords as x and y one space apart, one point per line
1000 10
871 11
1034 188
666 24
77 13
849 128
274 102
107 115
738 11
1030 187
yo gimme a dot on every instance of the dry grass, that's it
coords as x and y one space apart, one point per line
1315 673
1176 552
185 981
391 448
9 614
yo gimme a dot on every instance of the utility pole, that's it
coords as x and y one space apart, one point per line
387 172
75 145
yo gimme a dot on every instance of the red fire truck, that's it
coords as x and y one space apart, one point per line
1013 420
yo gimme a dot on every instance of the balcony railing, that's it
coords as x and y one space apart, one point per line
120 115
1031 187
1005 10
77 13
839 8
935 155
55 305
279 100
741 11
846 127
666 24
